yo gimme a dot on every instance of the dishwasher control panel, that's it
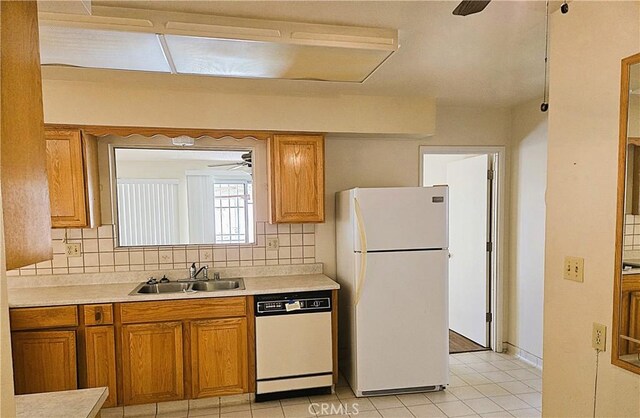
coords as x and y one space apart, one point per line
293 303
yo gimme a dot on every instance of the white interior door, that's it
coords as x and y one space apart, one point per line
468 237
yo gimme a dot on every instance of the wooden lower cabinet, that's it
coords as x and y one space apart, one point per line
218 357
100 360
152 362
144 352
44 361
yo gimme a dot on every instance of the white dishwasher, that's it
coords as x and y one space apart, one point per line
294 354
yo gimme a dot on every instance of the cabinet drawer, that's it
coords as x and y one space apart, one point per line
41 318
100 314
178 310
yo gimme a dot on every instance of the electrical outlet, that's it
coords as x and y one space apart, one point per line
599 337
72 250
574 269
273 243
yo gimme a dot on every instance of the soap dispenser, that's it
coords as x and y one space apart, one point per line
192 271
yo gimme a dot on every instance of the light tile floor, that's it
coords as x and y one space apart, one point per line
482 384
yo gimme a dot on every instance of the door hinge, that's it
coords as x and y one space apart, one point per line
489 247
490 174
489 317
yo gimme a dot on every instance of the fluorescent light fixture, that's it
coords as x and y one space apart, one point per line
98 48
250 59
143 40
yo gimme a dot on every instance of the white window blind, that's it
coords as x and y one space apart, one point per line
148 211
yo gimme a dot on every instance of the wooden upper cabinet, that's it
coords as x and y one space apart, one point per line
296 178
44 361
72 174
25 196
152 363
219 357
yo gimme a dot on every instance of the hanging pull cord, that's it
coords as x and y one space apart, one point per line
545 104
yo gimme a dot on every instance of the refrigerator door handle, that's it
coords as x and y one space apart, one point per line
363 246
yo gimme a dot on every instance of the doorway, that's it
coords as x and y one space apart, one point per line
473 179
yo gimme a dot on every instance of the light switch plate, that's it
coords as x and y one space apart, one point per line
72 250
599 337
273 243
574 269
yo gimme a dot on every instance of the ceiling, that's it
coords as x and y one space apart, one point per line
494 58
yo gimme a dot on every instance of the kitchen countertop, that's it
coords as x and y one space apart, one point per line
634 270
82 403
119 292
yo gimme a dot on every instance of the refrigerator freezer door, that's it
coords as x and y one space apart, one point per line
401 322
403 218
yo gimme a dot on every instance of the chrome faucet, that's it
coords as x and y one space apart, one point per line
193 273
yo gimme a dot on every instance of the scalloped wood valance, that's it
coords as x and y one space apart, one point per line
101 130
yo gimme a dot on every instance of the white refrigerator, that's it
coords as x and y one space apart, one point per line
392 265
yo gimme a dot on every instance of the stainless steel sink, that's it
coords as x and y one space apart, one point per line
212 285
191 286
163 288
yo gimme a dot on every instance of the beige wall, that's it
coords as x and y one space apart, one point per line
586 47
122 103
528 185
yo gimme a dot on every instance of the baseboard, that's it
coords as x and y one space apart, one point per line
524 355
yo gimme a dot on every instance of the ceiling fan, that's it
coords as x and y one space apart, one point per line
469 7
246 162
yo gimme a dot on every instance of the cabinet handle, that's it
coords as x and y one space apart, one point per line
98 315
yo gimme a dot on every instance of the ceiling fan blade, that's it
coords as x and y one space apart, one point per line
225 165
469 7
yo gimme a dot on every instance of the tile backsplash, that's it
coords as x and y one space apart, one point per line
99 252
631 236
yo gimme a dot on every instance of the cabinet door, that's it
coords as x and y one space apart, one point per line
296 178
219 357
23 177
44 361
66 178
100 360
152 363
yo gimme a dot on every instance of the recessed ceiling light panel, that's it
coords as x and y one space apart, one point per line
98 48
250 59
129 39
